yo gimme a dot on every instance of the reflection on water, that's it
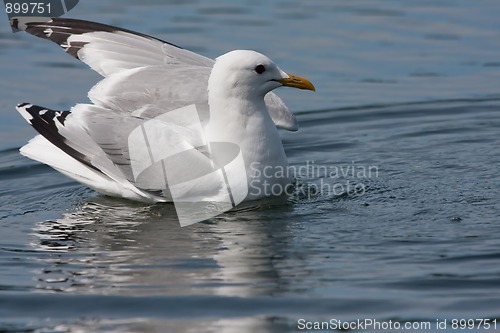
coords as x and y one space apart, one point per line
137 249
113 246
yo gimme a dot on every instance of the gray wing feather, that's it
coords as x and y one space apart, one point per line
111 50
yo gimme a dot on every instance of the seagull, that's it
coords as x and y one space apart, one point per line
164 120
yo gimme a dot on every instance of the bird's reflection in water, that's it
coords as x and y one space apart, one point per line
117 246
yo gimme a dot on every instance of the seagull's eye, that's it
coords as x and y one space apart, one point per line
260 69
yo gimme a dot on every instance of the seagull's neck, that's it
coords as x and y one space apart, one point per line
233 114
246 122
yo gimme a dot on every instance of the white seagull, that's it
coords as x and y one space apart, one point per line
163 116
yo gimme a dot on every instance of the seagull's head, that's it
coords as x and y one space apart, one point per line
249 74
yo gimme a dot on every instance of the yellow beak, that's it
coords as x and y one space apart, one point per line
297 82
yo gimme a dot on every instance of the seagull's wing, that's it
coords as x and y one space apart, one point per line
150 91
108 49
148 152
66 146
111 50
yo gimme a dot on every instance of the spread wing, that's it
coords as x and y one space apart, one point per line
140 70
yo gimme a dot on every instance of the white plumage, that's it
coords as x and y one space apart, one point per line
146 81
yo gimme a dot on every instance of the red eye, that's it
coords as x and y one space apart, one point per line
260 69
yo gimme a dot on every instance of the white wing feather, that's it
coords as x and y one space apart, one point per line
110 50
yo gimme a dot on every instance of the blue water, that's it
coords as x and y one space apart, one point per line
397 219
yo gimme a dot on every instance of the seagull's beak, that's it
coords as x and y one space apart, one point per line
297 82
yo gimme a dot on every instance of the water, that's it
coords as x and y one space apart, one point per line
397 218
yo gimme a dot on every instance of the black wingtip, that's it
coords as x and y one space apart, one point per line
21 23
14 24
58 30
48 122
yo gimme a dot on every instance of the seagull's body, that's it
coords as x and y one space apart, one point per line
146 81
